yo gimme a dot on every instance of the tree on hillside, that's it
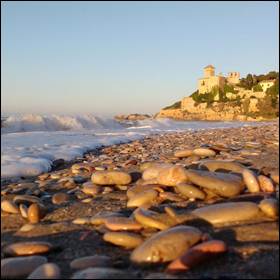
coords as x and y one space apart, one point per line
252 80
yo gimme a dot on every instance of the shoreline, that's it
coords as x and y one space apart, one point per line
60 163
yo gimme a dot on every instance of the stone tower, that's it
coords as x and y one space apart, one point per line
209 80
233 77
209 71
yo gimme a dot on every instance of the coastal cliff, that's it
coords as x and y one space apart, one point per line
232 102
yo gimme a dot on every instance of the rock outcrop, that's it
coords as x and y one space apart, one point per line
132 117
242 106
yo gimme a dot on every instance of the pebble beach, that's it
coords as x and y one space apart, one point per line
181 205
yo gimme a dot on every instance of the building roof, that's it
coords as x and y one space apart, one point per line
209 66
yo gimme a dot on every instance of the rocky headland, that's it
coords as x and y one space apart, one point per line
248 100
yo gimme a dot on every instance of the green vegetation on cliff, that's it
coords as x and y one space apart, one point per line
252 80
257 88
209 97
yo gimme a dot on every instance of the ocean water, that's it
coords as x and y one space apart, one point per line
30 143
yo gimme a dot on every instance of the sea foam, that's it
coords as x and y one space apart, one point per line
30 143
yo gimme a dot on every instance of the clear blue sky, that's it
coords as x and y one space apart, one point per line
127 57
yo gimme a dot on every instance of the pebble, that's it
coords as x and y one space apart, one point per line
34 213
143 198
91 261
82 221
189 191
213 165
20 266
223 184
266 184
9 207
170 196
122 223
251 181
26 227
153 170
101 273
127 240
145 165
152 219
227 212
55 175
46 271
111 178
150 182
166 245
23 211
60 198
100 218
270 207
197 254
107 190
172 176
99 168
27 248
91 189
183 153
86 200
191 160
204 152
77 167
137 189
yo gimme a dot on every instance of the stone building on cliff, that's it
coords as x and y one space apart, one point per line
211 80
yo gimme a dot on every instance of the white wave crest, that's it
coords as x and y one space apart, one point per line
34 122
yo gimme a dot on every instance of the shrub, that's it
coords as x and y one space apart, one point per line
209 97
257 87
229 88
195 96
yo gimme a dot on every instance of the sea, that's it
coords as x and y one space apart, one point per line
31 142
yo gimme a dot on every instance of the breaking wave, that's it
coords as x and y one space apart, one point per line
34 122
